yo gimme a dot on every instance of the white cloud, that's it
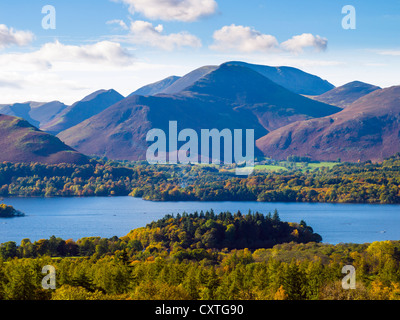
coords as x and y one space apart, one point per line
121 23
101 52
248 40
57 71
9 37
394 53
54 53
144 33
69 83
173 10
306 40
242 39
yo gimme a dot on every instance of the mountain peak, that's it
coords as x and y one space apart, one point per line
345 95
247 87
188 79
81 110
95 94
293 79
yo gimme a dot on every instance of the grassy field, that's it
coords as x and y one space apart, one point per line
285 166
322 164
269 167
279 166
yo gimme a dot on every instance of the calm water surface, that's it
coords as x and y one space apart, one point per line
74 218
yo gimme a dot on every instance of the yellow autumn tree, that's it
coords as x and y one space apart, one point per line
379 291
280 294
67 292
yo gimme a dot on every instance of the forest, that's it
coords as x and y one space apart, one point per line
174 259
344 183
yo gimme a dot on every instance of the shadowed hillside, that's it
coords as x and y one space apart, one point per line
21 142
368 129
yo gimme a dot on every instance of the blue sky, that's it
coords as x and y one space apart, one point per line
124 44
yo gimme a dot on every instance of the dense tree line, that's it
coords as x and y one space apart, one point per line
124 268
187 231
346 182
223 230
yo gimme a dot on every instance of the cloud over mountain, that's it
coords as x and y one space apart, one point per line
100 52
104 52
59 71
306 40
247 40
144 33
242 39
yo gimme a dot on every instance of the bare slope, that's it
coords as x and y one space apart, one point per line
369 129
21 142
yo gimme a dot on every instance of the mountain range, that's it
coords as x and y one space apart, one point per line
292 113
82 110
290 78
229 96
36 113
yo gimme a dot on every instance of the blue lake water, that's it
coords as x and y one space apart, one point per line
74 218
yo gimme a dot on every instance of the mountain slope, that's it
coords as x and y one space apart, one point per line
120 131
19 110
21 142
188 79
156 87
345 95
82 110
45 112
368 129
290 78
273 105
230 97
36 113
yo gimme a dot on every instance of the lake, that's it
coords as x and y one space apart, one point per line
74 218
